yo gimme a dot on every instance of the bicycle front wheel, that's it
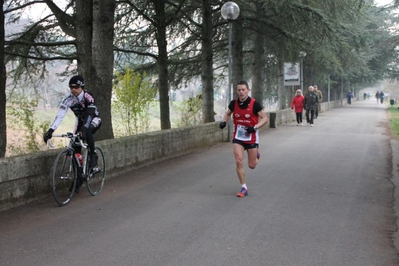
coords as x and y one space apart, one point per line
64 178
96 179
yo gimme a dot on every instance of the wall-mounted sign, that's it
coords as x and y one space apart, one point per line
291 74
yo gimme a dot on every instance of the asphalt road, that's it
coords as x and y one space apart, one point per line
319 196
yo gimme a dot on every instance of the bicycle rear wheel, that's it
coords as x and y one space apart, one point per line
96 179
64 178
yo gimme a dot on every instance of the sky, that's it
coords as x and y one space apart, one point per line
383 2
40 10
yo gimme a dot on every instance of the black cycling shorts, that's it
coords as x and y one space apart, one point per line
245 145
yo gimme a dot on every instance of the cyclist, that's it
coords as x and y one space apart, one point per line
88 120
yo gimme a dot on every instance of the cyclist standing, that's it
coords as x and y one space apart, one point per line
88 120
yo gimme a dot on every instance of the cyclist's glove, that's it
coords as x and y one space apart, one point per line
48 135
82 133
222 125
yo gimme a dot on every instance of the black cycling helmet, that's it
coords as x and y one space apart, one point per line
78 79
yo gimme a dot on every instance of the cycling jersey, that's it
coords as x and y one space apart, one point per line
82 106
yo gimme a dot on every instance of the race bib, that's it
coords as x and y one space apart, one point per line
242 134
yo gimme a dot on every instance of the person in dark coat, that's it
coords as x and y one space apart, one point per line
349 96
310 104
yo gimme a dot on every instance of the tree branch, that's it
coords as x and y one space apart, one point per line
42 58
22 6
40 44
136 52
66 22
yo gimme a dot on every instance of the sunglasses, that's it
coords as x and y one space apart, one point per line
74 87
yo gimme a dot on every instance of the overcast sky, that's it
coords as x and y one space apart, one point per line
382 2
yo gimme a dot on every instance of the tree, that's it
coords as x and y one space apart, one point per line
337 36
13 15
92 26
133 93
83 32
155 17
207 63
3 124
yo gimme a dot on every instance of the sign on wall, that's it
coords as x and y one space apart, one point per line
291 74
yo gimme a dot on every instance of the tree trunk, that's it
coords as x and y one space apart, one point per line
282 97
3 124
103 63
84 31
94 46
258 68
238 55
207 64
162 63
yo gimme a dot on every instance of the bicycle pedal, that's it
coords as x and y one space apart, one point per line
95 171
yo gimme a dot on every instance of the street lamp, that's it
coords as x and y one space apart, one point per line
302 54
230 12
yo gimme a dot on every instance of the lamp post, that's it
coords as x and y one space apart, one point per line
302 54
230 12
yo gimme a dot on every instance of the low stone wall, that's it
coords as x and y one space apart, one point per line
27 178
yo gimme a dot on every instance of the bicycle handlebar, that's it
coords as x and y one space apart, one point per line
67 135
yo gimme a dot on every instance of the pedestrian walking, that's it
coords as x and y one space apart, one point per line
349 97
310 104
320 100
382 96
377 96
297 105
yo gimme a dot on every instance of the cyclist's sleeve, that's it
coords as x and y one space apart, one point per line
62 111
91 110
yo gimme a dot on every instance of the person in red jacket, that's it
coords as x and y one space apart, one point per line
297 104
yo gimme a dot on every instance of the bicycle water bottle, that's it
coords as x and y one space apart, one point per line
80 158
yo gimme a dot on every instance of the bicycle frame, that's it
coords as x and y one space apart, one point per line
73 142
68 172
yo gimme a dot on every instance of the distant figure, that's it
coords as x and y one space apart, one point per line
349 96
377 96
364 96
320 99
382 96
297 104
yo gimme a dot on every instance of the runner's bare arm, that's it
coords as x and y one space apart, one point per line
262 119
227 115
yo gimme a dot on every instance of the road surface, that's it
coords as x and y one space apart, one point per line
321 195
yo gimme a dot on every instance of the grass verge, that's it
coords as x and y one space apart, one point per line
394 120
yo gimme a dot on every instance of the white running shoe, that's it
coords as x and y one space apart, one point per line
311 125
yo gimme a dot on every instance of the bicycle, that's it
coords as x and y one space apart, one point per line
68 173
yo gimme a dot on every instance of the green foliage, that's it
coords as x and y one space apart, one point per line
190 111
133 93
394 117
20 114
